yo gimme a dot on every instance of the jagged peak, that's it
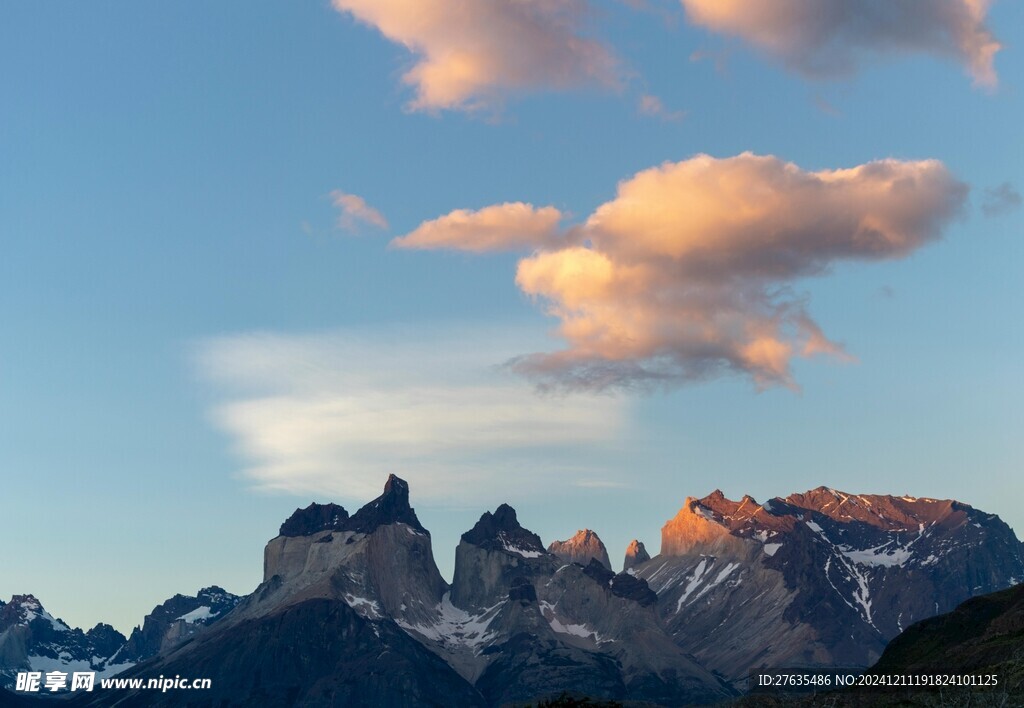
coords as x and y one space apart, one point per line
27 601
503 530
212 590
636 553
582 536
24 609
583 547
880 510
104 632
702 521
396 485
391 507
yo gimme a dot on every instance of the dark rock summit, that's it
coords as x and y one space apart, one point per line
391 507
502 531
315 517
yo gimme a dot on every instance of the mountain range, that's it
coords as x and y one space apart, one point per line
353 611
31 639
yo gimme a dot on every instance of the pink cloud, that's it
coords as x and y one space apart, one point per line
502 227
470 53
687 273
354 210
830 37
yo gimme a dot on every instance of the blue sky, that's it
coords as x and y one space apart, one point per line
176 287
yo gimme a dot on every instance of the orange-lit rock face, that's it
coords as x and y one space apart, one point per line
695 530
882 511
716 524
584 546
636 553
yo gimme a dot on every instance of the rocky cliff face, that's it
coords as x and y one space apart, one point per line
494 555
325 625
348 600
823 577
582 548
522 623
379 561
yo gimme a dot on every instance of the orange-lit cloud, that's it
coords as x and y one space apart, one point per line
831 37
685 274
469 53
354 211
502 227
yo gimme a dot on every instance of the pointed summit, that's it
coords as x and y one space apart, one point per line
23 610
502 530
391 507
582 548
636 554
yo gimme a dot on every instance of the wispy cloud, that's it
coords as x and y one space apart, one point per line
353 211
334 413
471 53
1001 199
652 106
687 273
824 38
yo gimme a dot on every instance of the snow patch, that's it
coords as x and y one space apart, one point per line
879 556
456 626
706 513
524 552
198 615
694 581
49 663
576 630
363 606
